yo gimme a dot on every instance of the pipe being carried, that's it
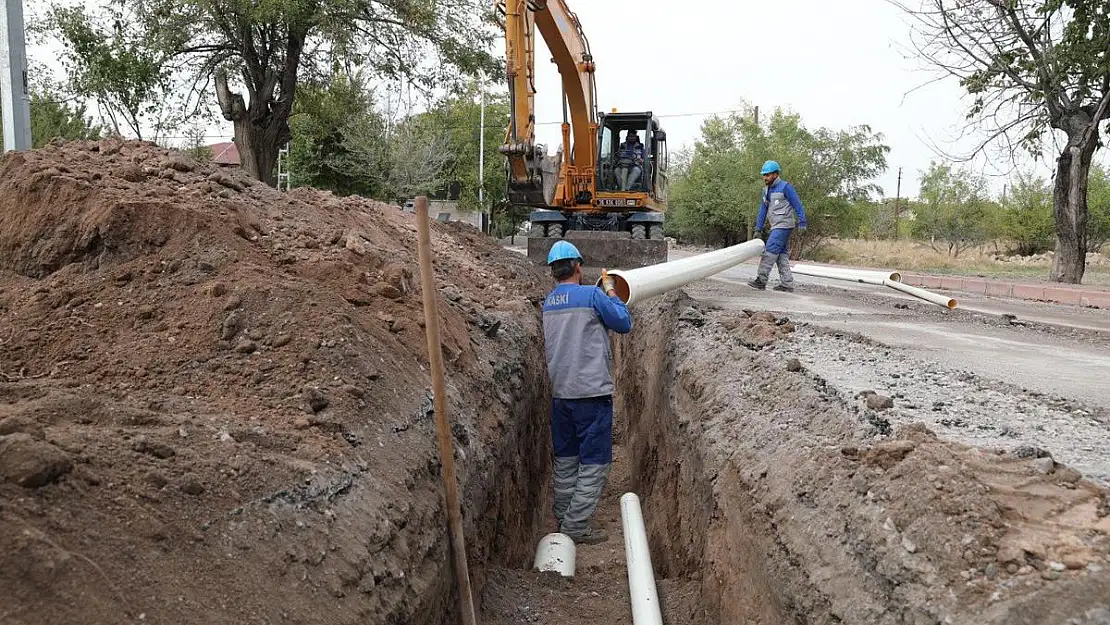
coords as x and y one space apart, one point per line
637 284
641 577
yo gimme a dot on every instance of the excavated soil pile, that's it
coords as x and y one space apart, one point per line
790 507
214 400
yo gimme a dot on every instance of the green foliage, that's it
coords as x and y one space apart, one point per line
1027 218
717 188
1098 203
335 128
52 118
116 66
268 48
955 212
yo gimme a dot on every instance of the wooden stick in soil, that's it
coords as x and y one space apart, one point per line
443 428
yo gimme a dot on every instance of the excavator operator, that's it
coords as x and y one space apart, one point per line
630 161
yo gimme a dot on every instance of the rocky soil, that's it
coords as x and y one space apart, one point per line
957 405
214 400
798 506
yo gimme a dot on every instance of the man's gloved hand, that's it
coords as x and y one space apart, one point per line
801 228
608 285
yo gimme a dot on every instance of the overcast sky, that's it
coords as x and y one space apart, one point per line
837 63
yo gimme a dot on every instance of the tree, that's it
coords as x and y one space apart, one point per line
1031 66
1027 215
330 124
715 195
955 212
1098 201
115 67
53 118
257 52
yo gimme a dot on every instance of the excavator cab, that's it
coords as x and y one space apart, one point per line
632 160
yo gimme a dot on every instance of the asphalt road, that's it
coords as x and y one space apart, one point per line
1068 357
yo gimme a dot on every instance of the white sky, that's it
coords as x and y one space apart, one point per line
837 63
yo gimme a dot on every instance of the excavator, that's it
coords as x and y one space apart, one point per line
598 191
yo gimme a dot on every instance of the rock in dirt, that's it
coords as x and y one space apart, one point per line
1044 466
692 316
878 402
889 453
31 463
1029 451
793 365
386 290
22 424
233 324
190 485
159 450
315 400
246 346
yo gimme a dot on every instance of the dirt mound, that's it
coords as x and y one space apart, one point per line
795 509
214 403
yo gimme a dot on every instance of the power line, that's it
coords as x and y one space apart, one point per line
477 127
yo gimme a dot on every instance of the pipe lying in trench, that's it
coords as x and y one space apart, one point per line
556 553
634 285
641 577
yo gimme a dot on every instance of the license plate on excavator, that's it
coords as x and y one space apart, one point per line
610 201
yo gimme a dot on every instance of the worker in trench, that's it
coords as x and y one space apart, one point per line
576 322
782 208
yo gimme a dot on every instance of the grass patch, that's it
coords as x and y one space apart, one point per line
984 262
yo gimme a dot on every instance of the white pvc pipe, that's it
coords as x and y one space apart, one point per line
641 577
637 284
556 553
864 276
928 296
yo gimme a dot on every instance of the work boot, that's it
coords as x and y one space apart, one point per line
758 284
591 536
783 288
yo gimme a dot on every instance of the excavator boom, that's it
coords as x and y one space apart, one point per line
606 196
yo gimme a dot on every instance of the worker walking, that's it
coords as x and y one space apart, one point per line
576 320
783 209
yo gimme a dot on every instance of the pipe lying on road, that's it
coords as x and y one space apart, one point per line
928 296
641 577
556 553
892 279
637 284
864 276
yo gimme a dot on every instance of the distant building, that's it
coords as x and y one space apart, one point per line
225 154
448 210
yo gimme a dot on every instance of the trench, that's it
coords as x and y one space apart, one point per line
706 553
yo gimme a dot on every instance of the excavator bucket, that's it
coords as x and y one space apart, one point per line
604 250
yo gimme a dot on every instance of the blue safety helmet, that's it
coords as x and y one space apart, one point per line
769 167
563 250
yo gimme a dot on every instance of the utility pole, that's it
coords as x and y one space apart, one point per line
15 95
898 207
482 157
757 115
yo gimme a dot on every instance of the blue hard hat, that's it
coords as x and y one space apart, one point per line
563 250
769 167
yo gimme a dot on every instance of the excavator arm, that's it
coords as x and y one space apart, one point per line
562 32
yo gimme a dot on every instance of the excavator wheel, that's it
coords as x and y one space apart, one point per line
536 231
655 231
639 232
555 231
